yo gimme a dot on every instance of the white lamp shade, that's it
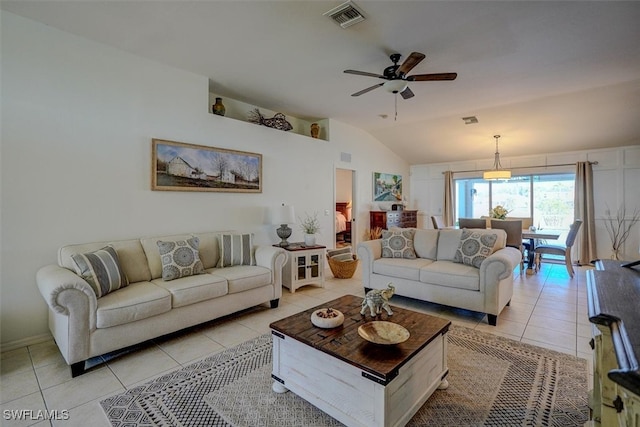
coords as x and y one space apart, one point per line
283 215
496 174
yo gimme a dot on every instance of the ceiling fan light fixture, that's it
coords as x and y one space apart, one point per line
395 86
497 173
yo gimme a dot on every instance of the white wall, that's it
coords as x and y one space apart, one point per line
616 181
77 123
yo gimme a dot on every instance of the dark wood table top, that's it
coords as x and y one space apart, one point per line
299 246
614 301
344 342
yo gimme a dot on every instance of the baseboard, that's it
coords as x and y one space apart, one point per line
24 342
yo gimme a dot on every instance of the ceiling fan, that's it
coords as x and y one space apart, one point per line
396 75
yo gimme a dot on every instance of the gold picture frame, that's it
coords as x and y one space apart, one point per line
178 166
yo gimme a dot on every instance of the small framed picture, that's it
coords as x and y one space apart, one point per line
387 187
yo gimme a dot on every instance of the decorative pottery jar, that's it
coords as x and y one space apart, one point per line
218 107
315 130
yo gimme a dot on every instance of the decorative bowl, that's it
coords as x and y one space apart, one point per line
327 318
381 332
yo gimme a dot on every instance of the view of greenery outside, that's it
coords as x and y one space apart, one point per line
548 199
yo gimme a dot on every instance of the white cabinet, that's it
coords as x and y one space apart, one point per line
304 266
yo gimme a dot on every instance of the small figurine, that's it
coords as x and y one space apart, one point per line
377 299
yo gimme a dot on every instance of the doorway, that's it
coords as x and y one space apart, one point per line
345 208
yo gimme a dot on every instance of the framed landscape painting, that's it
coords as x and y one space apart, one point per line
176 166
387 187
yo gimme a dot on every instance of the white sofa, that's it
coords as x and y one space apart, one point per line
85 326
434 276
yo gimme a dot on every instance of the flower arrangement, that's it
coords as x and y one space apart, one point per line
310 225
499 212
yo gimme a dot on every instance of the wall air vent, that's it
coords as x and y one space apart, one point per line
470 120
345 15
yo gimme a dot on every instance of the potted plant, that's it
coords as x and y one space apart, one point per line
310 226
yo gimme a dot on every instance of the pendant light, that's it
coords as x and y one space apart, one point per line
497 172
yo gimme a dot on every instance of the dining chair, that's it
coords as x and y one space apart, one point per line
513 228
472 223
560 250
437 222
527 222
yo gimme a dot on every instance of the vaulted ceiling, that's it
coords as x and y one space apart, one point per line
547 76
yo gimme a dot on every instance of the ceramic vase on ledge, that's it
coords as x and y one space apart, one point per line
309 239
218 108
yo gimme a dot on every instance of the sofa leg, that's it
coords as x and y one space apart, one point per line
366 290
274 303
77 369
509 303
493 319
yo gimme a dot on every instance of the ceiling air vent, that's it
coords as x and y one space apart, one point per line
345 15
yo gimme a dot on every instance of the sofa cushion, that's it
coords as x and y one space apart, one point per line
448 241
398 244
101 269
180 258
236 249
150 246
452 275
209 248
243 277
189 290
474 247
400 267
425 243
135 302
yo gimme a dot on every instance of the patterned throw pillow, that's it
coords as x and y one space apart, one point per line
101 269
474 247
398 244
180 258
235 249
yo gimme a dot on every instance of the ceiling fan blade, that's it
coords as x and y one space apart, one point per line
408 64
432 77
364 73
407 93
369 89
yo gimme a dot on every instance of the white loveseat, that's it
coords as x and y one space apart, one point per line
434 276
85 325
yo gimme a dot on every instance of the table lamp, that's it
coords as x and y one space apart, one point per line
283 215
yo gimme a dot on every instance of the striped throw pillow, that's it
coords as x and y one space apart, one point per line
101 269
236 249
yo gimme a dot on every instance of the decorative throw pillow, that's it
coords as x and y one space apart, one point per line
101 269
180 258
474 247
398 244
332 253
235 249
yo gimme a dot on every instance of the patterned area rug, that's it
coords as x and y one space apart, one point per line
494 381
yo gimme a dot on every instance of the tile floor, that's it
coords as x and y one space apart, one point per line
548 309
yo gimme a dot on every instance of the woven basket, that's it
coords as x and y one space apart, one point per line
343 269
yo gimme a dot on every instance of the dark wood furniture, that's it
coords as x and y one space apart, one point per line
353 380
613 294
388 219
